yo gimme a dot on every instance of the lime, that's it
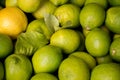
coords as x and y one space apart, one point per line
59 2
6 46
104 59
112 19
47 59
97 42
115 49
92 16
39 26
73 68
10 3
90 60
67 39
116 36
29 6
47 7
18 67
1 71
79 3
44 76
68 15
114 2
103 3
107 71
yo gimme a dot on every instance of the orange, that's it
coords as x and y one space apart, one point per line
12 21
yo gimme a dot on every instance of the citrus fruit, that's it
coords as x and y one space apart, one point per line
47 7
107 71
73 68
67 39
1 71
115 49
29 6
44 76
92 16
103 3
10 3
18 67
114 2
112 19
97 42
68 15
104 59
39 26
59 2
79 3
6 46
47 59
116 36
90 60
13 21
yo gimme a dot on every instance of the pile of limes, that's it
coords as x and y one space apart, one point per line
59 40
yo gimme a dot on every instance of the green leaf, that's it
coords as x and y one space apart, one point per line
52 22
27 43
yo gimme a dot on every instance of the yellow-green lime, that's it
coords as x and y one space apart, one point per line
47 7
29 6
116 36
112 19
79 3
114 2
103 3
18 67
39 26
97 42
73 68
91 16
47 59
59 2
90 60
68 15
10 3
104 59
43 76
107 71
115 49
67 39
1 71
6 46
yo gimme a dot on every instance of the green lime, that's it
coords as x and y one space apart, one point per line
43 76
116 36
1 71
91 16
47 59
114 2
47 7
59 2
112 19
107 71
73 68
68 15
90 60
39 26
67 39
10 3
97 42
18 67
115 49
79 3
29 6
104 59
103 3
6 46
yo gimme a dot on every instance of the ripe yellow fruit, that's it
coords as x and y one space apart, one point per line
12 21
